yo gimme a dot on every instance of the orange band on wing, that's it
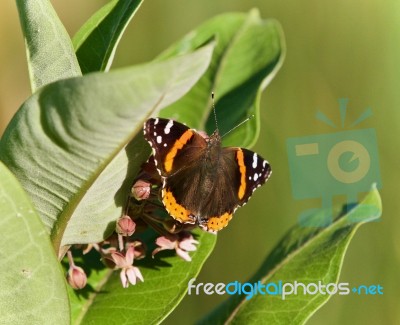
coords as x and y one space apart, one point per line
242 170
176 210
178 145
217 223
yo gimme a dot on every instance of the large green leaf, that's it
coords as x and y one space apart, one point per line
76 144
49 49
32 286
96 41
165 284
305 255
248 54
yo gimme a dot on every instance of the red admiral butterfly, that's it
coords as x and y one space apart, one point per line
203 183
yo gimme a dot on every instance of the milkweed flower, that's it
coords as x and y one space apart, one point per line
183 244
129 273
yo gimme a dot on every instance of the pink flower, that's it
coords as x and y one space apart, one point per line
129 273
182 244
139 249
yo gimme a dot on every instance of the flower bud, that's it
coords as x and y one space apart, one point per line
141 190
76 277
125 226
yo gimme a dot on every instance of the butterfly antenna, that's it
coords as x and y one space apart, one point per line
241 123
215 114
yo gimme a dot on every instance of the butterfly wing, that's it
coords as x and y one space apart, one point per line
176 149
242 172
173 144
254 172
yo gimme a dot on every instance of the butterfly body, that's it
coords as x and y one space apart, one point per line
203 182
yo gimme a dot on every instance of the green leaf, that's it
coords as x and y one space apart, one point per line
305 255
76 144
95 43
32 285
249 52
165 284
49 49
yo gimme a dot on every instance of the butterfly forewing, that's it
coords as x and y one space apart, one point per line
255 172
172 143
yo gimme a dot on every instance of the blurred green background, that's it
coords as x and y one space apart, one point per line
334 50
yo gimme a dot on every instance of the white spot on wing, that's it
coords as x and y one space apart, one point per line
168 127
255 176
254 160
159 139
156 121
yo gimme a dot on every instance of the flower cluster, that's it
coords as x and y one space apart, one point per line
143 210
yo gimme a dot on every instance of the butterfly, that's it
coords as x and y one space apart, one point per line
203 183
